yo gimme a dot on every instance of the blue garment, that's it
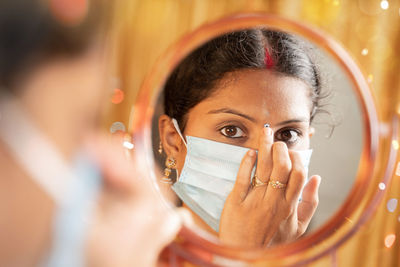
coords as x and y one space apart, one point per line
72 217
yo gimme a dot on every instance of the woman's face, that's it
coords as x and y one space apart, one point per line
246 100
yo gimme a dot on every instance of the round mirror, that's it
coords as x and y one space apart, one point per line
236 120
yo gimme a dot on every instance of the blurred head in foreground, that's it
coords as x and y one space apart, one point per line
52 57
66 202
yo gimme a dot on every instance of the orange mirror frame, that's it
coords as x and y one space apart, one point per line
195 247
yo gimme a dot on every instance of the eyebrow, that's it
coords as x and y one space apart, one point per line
293 121
231 111
235 112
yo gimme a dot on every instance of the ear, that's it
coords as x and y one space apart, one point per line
69 12
311 131
172 143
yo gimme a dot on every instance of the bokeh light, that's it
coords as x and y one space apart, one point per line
384 4
348 219
391 205
395 144
118 96
128 145
117 126
389 240
382 186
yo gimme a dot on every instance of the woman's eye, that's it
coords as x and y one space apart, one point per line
232 132
288 136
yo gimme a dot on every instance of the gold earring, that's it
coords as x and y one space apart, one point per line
160 148
170 163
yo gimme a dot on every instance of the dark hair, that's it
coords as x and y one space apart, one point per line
195 78
29 34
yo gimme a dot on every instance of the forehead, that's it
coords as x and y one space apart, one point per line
262 94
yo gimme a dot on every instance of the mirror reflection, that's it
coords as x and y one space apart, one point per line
234 135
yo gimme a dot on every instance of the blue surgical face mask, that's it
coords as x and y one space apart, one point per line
209 174
74 187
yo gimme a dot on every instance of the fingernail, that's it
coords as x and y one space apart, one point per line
267 131
319 180
251 153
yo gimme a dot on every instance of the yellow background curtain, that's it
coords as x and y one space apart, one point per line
370 33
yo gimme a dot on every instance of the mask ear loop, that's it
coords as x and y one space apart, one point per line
175 123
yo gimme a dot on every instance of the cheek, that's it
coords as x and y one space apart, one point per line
180 160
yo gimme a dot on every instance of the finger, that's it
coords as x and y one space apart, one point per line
282 166
264 162
243 179
171 224
309 201
186 216
297 177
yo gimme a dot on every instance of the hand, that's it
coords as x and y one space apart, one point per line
131 225
263 216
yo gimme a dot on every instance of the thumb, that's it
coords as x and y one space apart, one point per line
309 201
242 184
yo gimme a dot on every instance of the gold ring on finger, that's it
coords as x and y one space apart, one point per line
257 182
276 184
